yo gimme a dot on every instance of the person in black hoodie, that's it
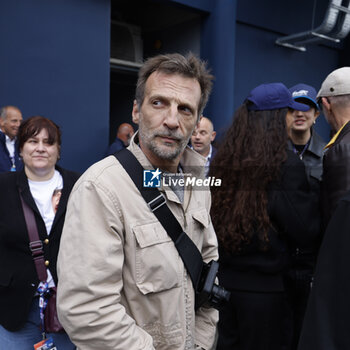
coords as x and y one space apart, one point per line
263 205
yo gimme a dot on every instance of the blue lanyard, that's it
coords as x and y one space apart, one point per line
43 290
302 152
13 168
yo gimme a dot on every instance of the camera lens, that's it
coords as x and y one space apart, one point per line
219 296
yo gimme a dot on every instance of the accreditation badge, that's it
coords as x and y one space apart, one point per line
46 344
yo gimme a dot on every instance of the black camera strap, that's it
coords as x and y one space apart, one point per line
155 200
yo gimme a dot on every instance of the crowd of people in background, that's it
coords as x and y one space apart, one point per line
277 225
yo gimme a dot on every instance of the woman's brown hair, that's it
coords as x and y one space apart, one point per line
248 159
33 125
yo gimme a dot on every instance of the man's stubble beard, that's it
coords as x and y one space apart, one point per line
162 151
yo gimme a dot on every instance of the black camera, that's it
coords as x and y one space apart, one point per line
208 292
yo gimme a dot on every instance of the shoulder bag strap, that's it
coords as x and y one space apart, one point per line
156 202
35 244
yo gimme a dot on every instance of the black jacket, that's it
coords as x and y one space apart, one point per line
18 277
312 159
114 147
336 173
292 209
327 319
304 259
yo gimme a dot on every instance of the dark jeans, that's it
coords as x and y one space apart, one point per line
30 333
253 321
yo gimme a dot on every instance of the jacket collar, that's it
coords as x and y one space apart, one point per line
23 186
4 137
3 141
316 144
339 135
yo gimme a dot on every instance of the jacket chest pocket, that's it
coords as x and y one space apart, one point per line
316 172
198 222
200 218
158 264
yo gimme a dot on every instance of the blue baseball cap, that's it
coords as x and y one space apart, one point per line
303 91
273 96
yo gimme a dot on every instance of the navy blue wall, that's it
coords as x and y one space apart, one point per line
55 62
218 48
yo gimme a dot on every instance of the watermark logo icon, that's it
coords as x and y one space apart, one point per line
152 178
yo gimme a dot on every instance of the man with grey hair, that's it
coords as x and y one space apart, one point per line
327 318
10 120
334 97
122 282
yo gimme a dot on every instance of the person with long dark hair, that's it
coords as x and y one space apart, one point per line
263 204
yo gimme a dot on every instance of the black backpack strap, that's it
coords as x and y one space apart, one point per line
156 202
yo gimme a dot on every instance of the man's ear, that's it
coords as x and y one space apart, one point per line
135 113
213 135
326 103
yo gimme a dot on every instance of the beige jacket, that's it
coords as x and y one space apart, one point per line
122 284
